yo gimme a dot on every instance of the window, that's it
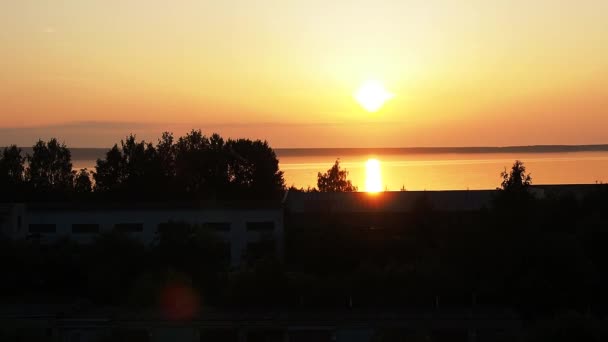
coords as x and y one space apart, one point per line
42 228
85 228
19 222
218 226
267 226
129 227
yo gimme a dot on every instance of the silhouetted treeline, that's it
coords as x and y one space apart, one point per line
191 167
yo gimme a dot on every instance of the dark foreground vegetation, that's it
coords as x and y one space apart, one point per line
544 258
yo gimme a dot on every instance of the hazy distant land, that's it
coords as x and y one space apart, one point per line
80 153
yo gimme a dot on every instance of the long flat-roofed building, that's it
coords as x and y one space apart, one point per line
388 208
241 224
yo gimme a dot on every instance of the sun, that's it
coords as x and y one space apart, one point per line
371 95
373 176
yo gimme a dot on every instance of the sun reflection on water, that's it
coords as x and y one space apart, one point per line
373 176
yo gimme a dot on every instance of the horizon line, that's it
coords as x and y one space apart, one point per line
389 147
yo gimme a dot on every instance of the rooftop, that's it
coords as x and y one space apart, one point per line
406 201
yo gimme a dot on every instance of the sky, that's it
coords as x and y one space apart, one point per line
463 73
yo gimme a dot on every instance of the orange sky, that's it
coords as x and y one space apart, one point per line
474 72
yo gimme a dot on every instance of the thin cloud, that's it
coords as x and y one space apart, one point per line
191 125
106 133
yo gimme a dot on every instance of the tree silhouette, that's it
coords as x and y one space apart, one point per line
201 167
194 167
110 174
141 166
334 180
11 171
132 169
190 248
165 151
253 169
50 167
82 181
516 179
513 199
109 274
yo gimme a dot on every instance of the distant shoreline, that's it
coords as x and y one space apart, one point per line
80 153
444 150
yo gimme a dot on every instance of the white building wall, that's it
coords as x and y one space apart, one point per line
238 236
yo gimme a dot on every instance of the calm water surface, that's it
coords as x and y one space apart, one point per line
437 171
453 171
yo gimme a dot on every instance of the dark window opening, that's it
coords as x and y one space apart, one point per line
218 226
266 226
85 228
19 222
129 227
42 228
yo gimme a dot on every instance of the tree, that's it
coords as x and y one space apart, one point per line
110 174
514 203
109 274
334 180
133 169
195 251
200 165
11 171
516 180
190 248
253 169
142 169
165 149
50 167
196 166
82 182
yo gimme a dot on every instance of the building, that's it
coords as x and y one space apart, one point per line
390 208
241 225
377 210
248 226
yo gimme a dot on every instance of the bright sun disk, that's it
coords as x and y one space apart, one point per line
371 95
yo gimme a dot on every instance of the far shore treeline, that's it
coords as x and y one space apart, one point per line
190 167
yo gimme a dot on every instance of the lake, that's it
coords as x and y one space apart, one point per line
431 168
